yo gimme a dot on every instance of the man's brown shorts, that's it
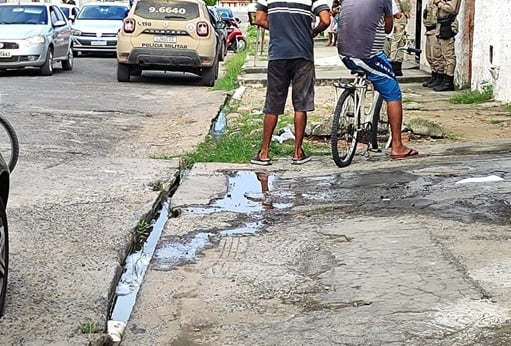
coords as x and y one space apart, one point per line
299 73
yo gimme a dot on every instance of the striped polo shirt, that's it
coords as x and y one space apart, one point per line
290 25
361 30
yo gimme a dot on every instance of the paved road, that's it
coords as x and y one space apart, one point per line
82 184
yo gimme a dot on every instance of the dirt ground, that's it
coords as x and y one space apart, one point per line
461 123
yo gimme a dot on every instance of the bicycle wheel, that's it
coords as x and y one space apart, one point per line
9 145
380 131
4 257
345 126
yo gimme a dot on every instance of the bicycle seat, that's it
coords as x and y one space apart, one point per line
359 72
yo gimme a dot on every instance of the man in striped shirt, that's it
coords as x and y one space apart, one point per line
290 61
360 41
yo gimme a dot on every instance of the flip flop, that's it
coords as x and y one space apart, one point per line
305 158
409 154
258 161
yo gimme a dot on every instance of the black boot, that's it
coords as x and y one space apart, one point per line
438 81
430 80
396 66
447 84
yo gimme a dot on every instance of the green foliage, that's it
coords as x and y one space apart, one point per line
508 107
89 328
232 71
141 233
210 2
242 141
471 97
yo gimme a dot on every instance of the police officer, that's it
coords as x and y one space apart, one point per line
433 53
447 28
396 57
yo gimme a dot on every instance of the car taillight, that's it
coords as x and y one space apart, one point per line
202 29
129 25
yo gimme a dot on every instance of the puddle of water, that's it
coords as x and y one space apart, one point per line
131 279
248 192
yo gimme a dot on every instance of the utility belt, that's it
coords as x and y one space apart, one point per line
430 27
446 31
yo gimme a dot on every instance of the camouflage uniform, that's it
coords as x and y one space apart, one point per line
433 52
399 37
446 29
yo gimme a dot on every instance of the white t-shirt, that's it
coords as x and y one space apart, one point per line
395 10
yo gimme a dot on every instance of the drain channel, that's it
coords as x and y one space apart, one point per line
134 270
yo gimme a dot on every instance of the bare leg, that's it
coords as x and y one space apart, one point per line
395 114
300 121
270 121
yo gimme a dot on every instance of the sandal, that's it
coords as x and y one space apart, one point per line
300 161
256 160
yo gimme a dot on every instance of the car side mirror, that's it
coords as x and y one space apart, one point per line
59 23
238 20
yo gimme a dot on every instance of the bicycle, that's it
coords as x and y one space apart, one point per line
355 120
12 160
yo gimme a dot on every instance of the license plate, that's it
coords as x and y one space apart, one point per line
98 43
165 39
5 54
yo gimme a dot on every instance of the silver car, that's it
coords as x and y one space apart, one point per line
96 27
34 35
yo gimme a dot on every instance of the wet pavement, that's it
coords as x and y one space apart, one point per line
383 252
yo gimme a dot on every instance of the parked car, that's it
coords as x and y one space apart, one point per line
96 27
168 35
34 35
70 11
4 242
221 30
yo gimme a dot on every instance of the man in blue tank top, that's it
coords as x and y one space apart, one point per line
360 40
290 61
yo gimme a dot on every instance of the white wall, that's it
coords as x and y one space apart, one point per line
492 28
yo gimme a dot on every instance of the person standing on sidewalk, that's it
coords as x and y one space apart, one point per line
290 62
334 19
360 40
447 28
399 36
433 52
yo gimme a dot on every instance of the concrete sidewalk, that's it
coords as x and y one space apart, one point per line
329 68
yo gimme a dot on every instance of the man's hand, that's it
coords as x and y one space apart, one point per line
262 19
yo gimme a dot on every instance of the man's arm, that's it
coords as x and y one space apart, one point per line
262 19
324 22
389 24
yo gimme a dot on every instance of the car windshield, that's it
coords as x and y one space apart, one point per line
65 10
103 12
21 14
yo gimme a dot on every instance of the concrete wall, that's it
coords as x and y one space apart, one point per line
492 47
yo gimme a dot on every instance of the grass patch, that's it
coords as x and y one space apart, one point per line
242 140
471 97
90 328
496 121
232 71
407 100
508 107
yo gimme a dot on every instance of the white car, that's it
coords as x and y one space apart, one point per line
34 35
96 27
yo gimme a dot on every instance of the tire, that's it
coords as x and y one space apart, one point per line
123 72
4 257
344 134
380 131
67 65
223 53
47 68
209 75
239 45
13 138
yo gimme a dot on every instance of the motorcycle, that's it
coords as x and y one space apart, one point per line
235 38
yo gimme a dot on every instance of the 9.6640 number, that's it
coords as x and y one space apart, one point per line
167 9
